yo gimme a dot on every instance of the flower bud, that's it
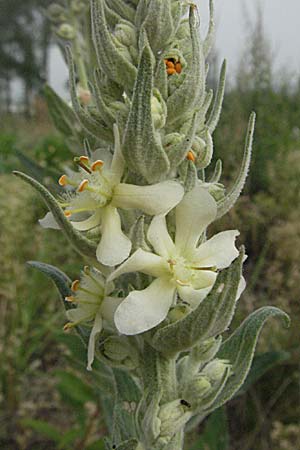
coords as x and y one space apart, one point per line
205 351
173 415
178 312
158 110
119 353
196 390
77 6
125 34
66 31
57 13
216 369
84 96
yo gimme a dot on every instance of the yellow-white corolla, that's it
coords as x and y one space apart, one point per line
182 267
99 195
94 306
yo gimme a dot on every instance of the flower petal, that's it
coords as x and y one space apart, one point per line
88 224
114 245
196 211
143 310
49 222
193 296
108 308
241 288
219 251
97 327
156 199
159 237
104 155
84 313
118 162
144 262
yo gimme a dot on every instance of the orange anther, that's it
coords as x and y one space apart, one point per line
191 156
67 213
97 165
84 159
169 64
83 185
70 299
178 67
75 285
171 71
63 181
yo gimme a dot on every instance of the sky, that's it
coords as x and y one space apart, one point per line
281 22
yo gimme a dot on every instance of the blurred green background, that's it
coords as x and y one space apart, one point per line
47 399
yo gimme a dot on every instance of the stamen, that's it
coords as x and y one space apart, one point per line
169 64
87 270
97 165
178 67
191 156
70 299
171 71
83 185
84 159
81 163
63 181
67 213
68 326
75 285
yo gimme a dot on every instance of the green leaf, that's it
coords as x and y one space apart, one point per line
36 170
262 364
210 319
229 200
61 280
192 89
111 61
123 9
43 428
127 398
92 124
83 245
215 435
62 115
239 349
159 24
217 108
142 147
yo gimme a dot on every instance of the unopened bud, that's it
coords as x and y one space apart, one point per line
56 13
173 416
66 31
77 6
84 96
196 390
178 312
205 351
120 353
158 110
215 370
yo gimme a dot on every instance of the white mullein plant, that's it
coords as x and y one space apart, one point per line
157 293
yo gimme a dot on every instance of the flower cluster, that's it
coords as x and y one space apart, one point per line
158 293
